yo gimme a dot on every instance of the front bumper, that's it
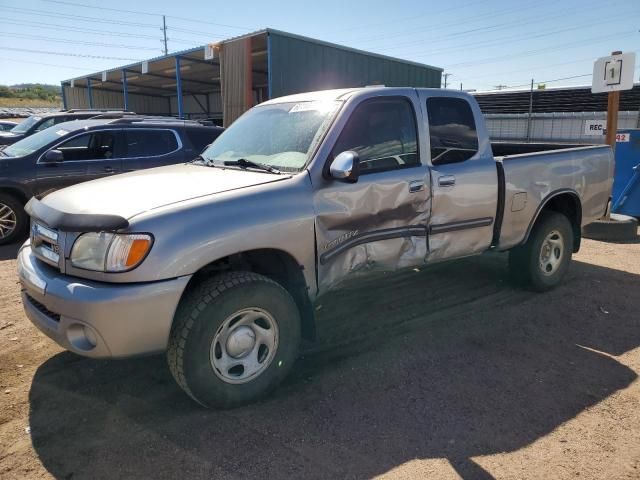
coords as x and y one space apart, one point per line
97 319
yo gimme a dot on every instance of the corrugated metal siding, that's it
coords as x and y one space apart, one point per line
193 110
77 98
300 66
555 127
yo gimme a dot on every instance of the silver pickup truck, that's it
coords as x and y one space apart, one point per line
219 261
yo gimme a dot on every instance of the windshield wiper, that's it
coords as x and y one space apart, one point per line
244 163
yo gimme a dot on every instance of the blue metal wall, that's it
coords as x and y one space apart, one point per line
301 65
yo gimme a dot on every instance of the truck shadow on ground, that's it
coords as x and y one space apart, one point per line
448 363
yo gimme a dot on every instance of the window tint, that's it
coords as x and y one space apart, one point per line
383 133
149 143
452 130
90 146
201 137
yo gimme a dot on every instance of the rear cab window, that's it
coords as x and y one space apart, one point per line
201 137
150 143
452 130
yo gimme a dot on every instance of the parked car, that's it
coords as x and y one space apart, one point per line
83 150
37 123
219 262
6 125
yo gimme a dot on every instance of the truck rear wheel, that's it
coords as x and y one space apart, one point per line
543 261
13 219
235 337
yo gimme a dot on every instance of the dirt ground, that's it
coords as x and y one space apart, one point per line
445 373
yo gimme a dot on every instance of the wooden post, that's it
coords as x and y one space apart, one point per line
613 104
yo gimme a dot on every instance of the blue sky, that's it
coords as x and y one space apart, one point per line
482 43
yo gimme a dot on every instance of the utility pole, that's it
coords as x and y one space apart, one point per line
164 34
613 104
500 87
530 112
460 86
446 76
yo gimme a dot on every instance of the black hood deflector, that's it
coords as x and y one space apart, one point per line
74 222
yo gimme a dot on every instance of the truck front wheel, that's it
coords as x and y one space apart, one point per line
235 337
543 260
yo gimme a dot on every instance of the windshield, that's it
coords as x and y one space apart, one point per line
34 142
26 124
281 135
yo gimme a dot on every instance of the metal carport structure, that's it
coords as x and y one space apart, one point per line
224 79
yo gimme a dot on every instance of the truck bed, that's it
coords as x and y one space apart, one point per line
527 180
503 149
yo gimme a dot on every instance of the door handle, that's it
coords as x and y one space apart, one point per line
416 186
108 169
447 181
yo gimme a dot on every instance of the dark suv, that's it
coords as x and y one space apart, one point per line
37 123
83 150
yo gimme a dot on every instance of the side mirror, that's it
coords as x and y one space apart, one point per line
345 167
53 156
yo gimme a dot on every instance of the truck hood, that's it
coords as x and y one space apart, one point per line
133 193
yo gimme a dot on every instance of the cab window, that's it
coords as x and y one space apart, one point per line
383 133
452 130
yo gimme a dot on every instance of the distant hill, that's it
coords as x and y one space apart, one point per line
31 91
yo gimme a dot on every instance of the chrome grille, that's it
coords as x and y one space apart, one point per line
45 243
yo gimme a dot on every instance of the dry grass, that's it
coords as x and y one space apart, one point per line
25 102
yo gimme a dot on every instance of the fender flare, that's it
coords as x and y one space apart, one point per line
545 201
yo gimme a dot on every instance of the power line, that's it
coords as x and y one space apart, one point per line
66 54
80 18
529 53
4 59
446 38
66 28
73 42
440 26
186 19
516 38
557 79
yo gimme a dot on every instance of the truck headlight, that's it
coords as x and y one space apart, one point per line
110 252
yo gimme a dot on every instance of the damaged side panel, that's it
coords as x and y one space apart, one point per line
378 223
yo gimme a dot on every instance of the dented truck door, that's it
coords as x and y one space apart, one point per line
380 221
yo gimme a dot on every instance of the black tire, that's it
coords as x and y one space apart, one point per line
203 311
620 228
17 213
525 262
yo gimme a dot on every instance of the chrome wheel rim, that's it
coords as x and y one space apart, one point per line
551 253
7 220
244 346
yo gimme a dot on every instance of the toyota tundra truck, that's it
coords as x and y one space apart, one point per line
218 262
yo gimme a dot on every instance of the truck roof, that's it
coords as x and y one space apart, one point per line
342 94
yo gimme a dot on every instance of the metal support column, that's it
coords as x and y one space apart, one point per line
125 90
89 93
64 97
179 88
